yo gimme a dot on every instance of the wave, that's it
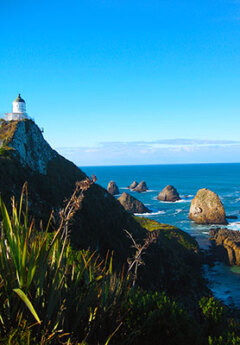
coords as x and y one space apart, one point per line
179 210
149 213
173 202
234 226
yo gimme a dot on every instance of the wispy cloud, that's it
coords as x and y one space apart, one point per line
155 152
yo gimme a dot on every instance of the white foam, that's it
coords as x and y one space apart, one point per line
149 213
234 226
173 202
178 211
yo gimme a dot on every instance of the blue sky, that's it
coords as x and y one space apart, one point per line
110 79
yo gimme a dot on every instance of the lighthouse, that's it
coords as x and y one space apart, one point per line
18 110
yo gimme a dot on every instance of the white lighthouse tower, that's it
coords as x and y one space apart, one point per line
18 110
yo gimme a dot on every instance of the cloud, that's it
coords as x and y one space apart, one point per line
155 152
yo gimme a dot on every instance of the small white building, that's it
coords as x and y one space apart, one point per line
18 110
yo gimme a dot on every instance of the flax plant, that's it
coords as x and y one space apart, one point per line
48 292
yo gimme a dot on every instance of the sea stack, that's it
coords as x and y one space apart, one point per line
112 188
169 193
141 187
207 208
131 204
133 185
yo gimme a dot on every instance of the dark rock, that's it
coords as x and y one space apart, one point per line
206 208
131 204
133 185
141 187
226 245
169 193
231 217
112 188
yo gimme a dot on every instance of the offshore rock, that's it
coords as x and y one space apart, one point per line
226 245
169 193
131 204
112 188
206 208
133 185
141 187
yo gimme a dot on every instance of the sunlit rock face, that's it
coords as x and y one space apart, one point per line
112 188
131 204
169 193
31 147
207 208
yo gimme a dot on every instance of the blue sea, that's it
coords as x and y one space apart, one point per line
224 179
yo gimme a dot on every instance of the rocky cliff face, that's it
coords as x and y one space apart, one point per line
33 151
226 245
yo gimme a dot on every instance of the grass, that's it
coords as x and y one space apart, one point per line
7 130
170 232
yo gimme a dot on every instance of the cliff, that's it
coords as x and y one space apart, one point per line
101 220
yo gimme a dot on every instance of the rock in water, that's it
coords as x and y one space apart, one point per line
112 188
206 208
133 185
169 193
141 187
131 204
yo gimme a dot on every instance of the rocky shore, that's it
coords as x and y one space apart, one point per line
226 245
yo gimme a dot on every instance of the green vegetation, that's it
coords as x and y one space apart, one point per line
7 131
52 294
169 231
5 150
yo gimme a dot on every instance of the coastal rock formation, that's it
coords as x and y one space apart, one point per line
131 204
169 193
141 187
133 185
112 188
100 222
26 140
226 245
51 178
206 208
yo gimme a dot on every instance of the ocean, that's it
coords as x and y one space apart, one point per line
223 179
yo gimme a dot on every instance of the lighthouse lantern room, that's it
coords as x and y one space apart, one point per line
18 110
